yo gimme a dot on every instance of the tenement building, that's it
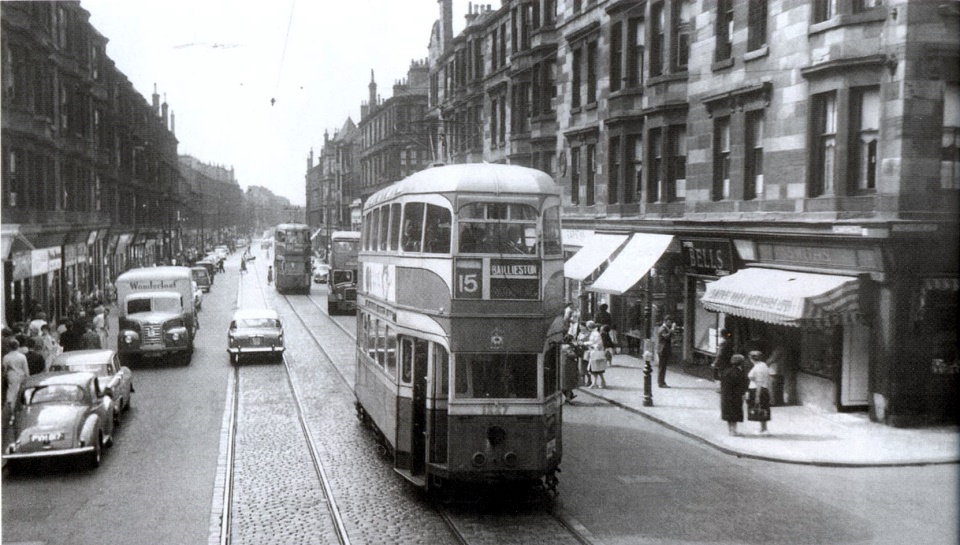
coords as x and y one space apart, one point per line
788 171
89 167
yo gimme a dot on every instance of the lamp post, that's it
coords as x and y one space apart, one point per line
648 347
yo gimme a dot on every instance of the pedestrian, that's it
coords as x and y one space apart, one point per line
243 266
49 346
724 352
567 315
574 327
733 385
35 361
607 344
598 361
664 349
270 274
90 339
781 363
15 370
569 368
758 397
100 324
34 328
603 317
583 342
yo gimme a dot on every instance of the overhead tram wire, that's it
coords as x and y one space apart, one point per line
283 54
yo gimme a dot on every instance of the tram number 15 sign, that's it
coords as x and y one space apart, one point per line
469 279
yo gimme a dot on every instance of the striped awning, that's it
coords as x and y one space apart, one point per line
595 251
785 297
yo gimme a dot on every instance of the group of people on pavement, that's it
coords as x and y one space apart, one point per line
588 349
742 378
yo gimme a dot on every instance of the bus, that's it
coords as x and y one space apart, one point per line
342 278
459 323
292 265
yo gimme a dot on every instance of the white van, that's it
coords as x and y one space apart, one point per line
157 313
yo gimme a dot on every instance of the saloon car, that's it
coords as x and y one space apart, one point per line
255 332
60 414
106 366
320 273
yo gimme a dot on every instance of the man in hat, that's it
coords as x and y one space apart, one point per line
664 349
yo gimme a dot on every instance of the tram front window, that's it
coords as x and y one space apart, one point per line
500 376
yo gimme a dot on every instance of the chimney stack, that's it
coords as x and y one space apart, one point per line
165 115
373 93
446 24
156 100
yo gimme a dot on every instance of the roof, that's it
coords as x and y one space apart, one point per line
255 313
78 378
151 273
84 357
470 178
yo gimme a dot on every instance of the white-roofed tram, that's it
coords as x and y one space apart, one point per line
458 324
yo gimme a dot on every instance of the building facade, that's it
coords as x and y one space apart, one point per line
714 150
333 186
90 181
393 139
213 210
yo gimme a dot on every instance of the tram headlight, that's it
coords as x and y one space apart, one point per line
479 459
510 459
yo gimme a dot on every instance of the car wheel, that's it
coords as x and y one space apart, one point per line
97 454
234 358
331 308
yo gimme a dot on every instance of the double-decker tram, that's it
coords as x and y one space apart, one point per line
458 325
292 266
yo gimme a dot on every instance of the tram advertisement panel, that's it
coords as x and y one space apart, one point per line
499 335
379 280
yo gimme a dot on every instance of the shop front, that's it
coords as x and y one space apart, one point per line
810 324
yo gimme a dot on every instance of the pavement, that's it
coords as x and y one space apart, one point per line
797 434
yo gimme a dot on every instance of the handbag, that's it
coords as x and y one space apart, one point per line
756 413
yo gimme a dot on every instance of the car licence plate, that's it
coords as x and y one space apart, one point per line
257 341
46 437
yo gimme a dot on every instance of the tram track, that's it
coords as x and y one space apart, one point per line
227 519
474 526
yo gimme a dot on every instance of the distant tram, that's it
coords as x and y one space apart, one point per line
458 325
292 265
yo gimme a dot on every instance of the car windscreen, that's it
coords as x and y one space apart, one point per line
156 304
94 368
54 393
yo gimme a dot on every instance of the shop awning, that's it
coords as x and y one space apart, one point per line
13 240
123 242
785 297
594 252
637 257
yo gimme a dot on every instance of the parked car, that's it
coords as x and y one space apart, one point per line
320 273
60 414
202 277
255 332
222 251
211 267
113 377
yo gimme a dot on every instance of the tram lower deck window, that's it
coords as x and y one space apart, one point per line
483 376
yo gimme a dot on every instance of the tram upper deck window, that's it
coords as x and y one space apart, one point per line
496 376
498 228
394 227
426 228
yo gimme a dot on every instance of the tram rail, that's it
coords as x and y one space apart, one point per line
470 525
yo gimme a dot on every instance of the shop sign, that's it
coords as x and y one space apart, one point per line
54 259
69 255
22 265
825 256
712 257
39 262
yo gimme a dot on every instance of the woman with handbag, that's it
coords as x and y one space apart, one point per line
733 385
598 361
759 392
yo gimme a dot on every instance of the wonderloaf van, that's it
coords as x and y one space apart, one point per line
157 313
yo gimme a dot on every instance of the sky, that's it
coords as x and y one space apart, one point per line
220 63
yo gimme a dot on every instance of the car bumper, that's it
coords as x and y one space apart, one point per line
256 350
47 453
